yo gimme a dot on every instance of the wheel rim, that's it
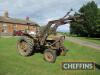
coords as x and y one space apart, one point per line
23 46
48 56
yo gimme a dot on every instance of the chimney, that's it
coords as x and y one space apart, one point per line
27 18
6 15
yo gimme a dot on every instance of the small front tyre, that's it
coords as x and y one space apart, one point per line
50 55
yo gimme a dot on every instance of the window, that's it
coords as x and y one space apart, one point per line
4 28
15 27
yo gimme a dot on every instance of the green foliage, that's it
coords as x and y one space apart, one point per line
98 22
76 27
89 26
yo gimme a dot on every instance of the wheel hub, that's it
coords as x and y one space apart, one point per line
23 45
48 56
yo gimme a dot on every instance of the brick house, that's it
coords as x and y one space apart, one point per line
8 25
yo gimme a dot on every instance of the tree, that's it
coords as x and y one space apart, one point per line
89 26
77 27
98 24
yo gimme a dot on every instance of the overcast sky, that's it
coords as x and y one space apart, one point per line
41 11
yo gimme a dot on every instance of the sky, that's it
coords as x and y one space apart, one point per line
42 11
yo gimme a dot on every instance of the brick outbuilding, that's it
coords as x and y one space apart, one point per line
9 25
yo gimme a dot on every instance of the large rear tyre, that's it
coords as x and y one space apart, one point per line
50 55
25 46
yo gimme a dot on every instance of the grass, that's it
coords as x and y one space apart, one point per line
93 40
11 63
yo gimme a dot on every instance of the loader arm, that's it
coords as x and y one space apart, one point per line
52 26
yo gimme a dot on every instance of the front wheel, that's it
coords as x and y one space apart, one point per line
50 55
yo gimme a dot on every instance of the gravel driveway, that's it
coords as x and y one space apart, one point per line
84 43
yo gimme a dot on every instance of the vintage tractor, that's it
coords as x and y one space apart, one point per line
46 40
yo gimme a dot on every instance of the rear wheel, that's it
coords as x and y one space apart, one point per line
50 55
25 46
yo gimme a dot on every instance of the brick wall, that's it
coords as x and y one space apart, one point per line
0 27
21 27
11 27
32 28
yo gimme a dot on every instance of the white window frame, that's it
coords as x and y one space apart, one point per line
4 27
15 27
